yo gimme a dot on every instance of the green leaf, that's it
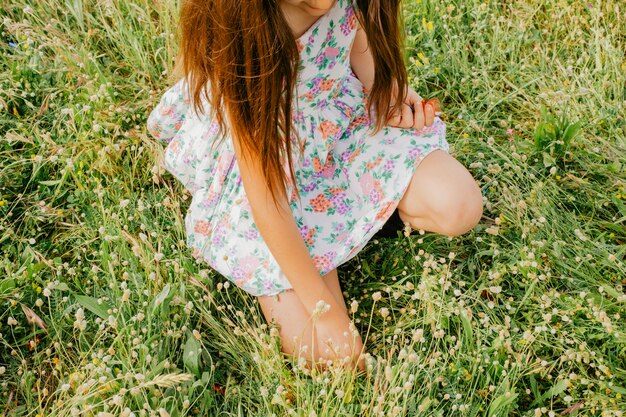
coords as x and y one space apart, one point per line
467 330
92 305
6 285
50 182
548 160
558 388
161 297
500 403
191 355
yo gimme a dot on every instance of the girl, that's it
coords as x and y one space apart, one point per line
295 131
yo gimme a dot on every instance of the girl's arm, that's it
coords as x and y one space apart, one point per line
361 59
280 232
413 112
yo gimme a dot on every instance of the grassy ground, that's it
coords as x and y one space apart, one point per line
103 311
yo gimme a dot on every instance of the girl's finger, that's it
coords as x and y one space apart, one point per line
429 114
407 116
436 105
418 115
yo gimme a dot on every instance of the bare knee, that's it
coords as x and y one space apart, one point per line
459 214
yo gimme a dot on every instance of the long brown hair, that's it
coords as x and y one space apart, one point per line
247 53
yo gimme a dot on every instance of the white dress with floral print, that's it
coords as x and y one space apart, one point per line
349 180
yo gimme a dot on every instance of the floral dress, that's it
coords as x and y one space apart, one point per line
350 180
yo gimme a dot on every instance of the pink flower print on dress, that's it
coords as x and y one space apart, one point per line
174 146
331 52
168 110
324 262
386 211
367 182
203 227
327 85
371 187
321 204
328 171
328 128
244 269
308 235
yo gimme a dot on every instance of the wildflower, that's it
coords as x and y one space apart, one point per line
427 25
80 322
384 312
418 335
388 373
492 230
321 307
11 321
376 296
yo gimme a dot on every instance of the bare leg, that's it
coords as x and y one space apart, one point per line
295 325
442 197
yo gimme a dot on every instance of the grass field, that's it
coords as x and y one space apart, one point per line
104 312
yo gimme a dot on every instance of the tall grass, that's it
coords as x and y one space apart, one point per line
104 312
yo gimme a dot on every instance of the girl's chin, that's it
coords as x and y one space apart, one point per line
316 12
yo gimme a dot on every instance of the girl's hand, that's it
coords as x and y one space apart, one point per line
415 112
336 340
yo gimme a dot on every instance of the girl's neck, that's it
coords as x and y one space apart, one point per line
300 16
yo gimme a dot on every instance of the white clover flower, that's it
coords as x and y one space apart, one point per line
418 335
384 312
495 289
376 296
320 308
